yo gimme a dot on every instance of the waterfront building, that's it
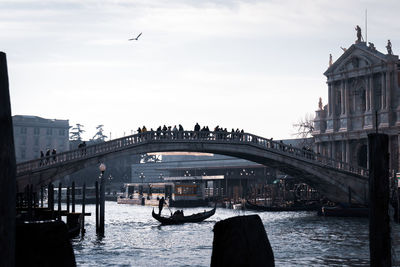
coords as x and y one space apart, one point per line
203 172
363 97
33 134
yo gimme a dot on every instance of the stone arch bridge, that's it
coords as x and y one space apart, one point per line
330 177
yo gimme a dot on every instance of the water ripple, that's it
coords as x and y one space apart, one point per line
134 238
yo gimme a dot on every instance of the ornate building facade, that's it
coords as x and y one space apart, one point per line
363 97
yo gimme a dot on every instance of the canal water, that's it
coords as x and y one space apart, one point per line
134 238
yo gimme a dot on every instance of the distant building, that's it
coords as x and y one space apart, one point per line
33 134
363 96
234 175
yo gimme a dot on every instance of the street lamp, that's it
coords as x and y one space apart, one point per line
102 169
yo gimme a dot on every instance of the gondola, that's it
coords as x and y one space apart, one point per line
251 206
198 217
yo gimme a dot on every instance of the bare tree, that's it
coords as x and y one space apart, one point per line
305 128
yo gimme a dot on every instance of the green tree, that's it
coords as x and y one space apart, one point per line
76 132
99 136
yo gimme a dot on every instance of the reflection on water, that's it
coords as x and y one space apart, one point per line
134 238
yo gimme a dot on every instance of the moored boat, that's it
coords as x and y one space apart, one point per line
180 219
344 211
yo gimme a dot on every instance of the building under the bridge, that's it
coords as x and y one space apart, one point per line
363 96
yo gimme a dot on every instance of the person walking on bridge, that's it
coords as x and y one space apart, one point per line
161 205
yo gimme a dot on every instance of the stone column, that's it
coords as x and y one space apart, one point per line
345 110
366 93
398 152
344 150
368 116
329 121
333 98
348 151
367 154
383 91
333 150
343 106
329 99
390 153
371 93
387 94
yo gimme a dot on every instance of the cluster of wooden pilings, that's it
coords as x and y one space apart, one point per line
31 206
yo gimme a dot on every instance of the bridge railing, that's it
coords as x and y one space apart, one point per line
176 136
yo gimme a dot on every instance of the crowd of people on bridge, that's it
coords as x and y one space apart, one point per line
219 133
177 132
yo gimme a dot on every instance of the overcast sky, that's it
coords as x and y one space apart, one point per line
253 65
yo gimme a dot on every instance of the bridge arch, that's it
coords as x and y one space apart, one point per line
331 177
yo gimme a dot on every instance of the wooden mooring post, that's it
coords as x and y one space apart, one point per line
59 201
29 201
50 198
41 196
379 228
7 171
83 210
73 197
102 204
68 193
97 206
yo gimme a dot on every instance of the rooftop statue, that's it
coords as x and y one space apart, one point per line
371 46
359 35
330 60
389 48
343 48
320 103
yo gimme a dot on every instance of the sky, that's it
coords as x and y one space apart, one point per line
252 65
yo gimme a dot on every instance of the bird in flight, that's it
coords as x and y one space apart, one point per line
135 39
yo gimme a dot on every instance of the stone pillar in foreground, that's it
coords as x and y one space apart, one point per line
379 228
7 171
241 241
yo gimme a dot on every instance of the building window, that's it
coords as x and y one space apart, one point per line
36 140
23 130
23 141
186 190
48 142
49 131
36 152
61 132
23 153
36 131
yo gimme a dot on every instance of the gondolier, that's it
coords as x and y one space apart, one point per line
160 205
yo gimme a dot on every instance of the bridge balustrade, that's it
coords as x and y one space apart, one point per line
191 136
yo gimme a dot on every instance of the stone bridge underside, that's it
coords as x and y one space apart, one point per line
332 179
